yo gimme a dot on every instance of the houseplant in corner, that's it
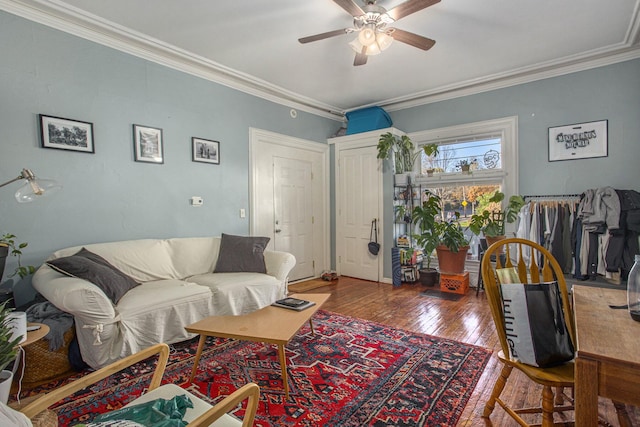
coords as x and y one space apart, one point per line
403 152
491 223
8 351
427 237
9 247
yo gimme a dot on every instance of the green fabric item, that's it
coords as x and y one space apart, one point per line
155 413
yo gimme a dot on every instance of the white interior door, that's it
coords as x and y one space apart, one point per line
359 194
293 228
289 190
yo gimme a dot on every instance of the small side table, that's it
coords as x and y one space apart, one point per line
33 336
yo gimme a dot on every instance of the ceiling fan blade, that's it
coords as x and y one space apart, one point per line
351 8
409 7
323 36
361 58
412 39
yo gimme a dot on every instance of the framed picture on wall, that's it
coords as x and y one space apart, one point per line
66 134
148 144
205 150
579 141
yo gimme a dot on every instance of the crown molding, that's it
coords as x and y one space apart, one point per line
69 19
514 78
63 17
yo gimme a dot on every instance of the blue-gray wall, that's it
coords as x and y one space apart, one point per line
107 196
608 93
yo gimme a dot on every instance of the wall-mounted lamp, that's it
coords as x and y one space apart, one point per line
33 187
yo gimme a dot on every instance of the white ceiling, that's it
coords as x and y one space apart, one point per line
252 45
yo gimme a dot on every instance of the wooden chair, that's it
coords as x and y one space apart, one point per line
202 414
540 267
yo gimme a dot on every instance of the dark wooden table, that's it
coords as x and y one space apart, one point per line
608 353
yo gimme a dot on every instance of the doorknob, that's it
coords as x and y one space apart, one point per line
278 230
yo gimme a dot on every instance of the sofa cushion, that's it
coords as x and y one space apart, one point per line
97 270
241 254
239 293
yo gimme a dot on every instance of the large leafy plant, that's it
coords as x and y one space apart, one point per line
492 223
427 237
451 233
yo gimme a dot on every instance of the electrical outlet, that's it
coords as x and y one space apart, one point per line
197 201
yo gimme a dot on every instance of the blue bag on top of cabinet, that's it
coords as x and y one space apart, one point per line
367 119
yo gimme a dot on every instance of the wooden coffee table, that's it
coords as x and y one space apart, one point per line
270 324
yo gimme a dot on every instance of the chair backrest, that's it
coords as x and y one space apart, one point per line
206 417
534 264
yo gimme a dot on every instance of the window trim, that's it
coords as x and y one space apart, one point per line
506 127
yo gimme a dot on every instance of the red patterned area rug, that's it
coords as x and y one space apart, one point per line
351 373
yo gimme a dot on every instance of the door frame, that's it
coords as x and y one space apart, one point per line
349 142
261 214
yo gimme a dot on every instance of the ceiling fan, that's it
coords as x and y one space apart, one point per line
372 23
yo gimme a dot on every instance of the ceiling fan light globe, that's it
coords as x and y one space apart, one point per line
367 36
356 45
373 49
383 41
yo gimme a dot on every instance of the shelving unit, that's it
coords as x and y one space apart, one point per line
409 259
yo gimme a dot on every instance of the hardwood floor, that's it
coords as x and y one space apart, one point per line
467 320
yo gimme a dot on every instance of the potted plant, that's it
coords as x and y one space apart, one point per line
431 151
8 351
453 246
404 155
492 223
9 247
427 237
464 165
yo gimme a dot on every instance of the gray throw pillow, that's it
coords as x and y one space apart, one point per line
97 270
241 253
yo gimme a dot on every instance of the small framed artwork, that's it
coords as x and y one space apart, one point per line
205 150
66 134
148 144
579 141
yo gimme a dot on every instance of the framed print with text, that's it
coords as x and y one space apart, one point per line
579 141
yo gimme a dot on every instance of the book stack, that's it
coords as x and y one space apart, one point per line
293 303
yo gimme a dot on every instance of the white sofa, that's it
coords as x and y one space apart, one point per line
177 287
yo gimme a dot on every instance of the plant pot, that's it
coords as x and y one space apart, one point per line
451 262
430 172
465 168
6 378
429 276
492 239
403 179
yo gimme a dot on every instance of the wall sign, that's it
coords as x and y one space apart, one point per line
579 141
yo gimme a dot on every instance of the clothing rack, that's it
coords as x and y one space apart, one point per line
551 196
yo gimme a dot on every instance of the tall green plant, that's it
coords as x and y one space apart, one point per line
424 217
8 347
451 233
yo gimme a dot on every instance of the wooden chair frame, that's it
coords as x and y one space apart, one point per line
541 267
249 391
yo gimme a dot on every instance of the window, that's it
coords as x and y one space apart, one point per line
489 148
